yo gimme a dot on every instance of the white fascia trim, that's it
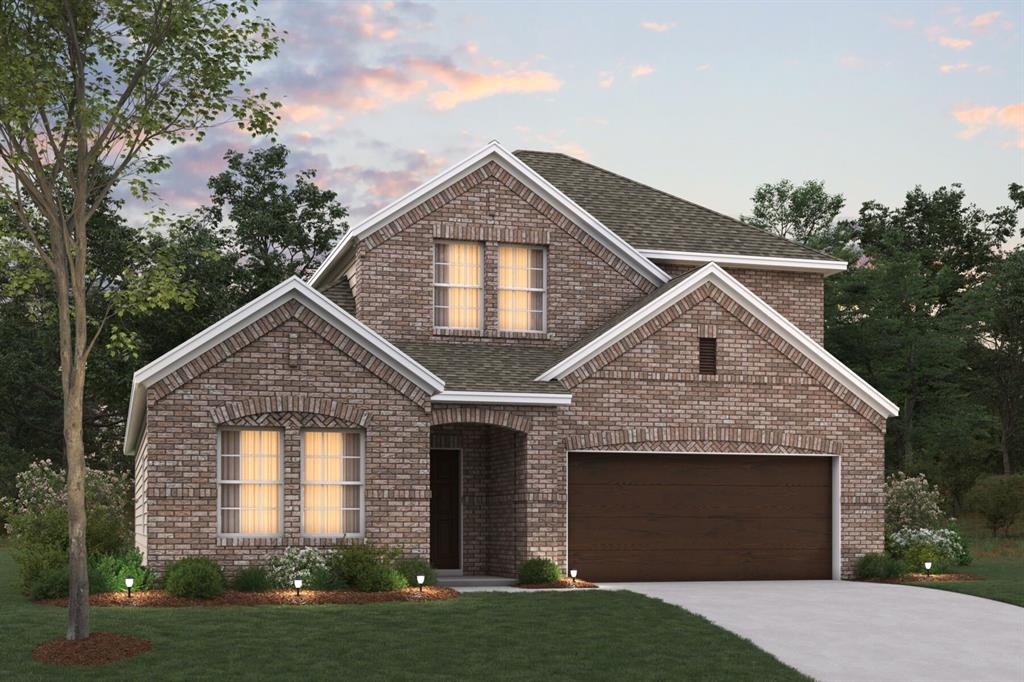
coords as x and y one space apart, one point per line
292 288
712 272
755 262
499 398
529 177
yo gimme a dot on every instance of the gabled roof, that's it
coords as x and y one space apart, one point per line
493 151
289 290
668 295
661 225
487 367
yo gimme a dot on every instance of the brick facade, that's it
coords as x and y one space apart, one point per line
292 370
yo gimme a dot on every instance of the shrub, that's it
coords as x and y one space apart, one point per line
52 583
253 579
535 571
34 560
944 548
378 578
912 502
194 577
305 563
410 568
112 569
359 565
879 566
999 499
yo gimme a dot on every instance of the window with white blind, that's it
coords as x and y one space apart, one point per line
458 285
249 479
332 483
522 284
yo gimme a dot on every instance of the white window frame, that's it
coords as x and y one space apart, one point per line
544 291
448 285
221 482
361 483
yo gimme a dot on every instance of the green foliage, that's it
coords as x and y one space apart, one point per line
52 582
111 570
999 499
879 567
253 579
805 213
534 571
944 547
410 568
307 564
196 577
378 578
912 502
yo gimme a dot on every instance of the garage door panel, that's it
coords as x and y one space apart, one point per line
795 564
600 467
649 532
655 516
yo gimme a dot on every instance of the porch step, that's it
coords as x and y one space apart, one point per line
474 581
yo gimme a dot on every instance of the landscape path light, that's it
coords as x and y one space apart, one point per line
572 574
420 579
129 583
298 586
928 568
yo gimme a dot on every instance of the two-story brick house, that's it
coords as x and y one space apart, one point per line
525 356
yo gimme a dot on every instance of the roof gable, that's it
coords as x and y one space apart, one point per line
670 294
289 290
493 152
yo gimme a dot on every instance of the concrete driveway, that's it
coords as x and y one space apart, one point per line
853 632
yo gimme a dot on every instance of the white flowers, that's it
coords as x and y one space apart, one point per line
945 541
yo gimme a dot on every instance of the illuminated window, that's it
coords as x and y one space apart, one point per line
458 285
332 483
521 288
250 482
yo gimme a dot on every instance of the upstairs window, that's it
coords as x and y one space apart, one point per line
458 285
250 483
522 291
708 355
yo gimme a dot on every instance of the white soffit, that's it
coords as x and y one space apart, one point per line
825 267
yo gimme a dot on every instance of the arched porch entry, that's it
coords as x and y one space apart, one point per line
477 479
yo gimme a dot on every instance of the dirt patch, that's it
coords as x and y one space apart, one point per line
559 585
99 648
280 597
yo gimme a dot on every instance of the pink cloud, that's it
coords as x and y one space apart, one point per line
950 68
466 86
955 43
985 20
977 120
658 27
605 79
641 70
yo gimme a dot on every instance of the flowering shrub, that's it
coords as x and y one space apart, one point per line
308 564
912 502
37 518
943 547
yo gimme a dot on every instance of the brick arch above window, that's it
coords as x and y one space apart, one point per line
295 410
703 439
465 414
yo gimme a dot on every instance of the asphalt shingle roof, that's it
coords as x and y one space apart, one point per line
648 218
487 367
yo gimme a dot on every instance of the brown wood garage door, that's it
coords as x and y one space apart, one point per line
641 516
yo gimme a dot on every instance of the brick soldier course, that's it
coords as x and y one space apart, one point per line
292 368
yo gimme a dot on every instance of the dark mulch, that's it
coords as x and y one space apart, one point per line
99 648
925 578
233 598
558 585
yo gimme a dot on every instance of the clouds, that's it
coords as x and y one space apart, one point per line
955 43
658 27
950 68
460 85
985 20
606 79
641 70
977 120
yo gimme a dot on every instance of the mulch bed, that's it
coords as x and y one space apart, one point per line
281 597
925 578
99 648
559 585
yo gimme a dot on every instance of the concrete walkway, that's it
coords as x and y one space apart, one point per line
859 632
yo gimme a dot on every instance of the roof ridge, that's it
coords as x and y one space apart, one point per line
677 198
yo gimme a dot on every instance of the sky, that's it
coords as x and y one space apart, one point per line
703 100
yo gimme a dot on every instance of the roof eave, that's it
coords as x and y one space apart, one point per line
700 258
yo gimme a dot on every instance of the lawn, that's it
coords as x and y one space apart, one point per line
592 634
1000 561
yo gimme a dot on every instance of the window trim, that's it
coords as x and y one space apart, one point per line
221 483
445 285
362 485
544 291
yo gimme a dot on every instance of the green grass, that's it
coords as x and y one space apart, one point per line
593 635
999 561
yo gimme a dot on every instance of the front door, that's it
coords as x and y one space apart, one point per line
445 512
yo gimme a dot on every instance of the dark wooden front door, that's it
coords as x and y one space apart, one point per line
445 512
641 516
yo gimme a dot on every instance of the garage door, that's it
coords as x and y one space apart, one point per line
648 516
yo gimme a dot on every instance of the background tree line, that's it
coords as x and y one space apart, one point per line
930 312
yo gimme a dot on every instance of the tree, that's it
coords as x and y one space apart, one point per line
95 85
277 231
805 214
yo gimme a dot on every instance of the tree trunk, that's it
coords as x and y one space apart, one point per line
78 588
907 433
